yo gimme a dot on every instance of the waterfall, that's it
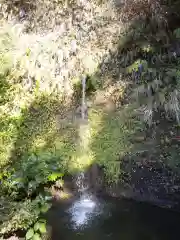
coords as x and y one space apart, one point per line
81 180
81 183
83 105
86 207
83 138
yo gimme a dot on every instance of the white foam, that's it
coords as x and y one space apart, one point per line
83 210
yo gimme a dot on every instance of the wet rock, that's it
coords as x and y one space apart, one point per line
153 183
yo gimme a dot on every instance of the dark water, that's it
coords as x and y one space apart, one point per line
91 218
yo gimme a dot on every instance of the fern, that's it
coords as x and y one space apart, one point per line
157 84
160 91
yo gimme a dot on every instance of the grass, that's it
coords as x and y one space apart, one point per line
112 135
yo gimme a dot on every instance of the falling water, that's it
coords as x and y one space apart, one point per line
81 183
83 106
86 206
84 210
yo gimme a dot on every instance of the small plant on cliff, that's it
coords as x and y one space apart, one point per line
151 55
157 83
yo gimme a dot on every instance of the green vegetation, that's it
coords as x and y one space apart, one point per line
156 76
112 138
42 135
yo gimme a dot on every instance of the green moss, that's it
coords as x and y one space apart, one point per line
111 138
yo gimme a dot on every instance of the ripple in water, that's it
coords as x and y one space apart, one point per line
84 210
86 207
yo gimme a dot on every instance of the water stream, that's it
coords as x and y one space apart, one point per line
83 105
87 205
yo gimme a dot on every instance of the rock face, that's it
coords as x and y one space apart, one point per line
64 43
150 182
153 174
147 181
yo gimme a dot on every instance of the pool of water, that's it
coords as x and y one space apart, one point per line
95 218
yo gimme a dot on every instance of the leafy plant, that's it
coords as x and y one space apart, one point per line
30 233
37 231
33 172
54 176
19 215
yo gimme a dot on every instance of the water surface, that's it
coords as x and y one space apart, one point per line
92 218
